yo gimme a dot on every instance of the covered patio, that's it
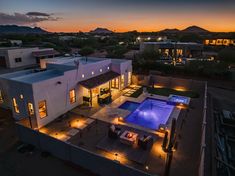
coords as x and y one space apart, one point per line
100 89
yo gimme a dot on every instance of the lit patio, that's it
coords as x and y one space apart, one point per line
92 135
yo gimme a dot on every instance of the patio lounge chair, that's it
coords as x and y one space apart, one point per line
114 132
145 142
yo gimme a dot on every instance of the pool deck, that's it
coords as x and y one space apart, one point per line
111 113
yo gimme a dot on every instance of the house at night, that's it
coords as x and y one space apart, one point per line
169 50
219 42
13 57
62 84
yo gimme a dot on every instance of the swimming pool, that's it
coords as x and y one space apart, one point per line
129 105
177 99
150 113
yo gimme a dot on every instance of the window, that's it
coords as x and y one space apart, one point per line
15 106
72 96
114 83
1 97
122 81
30 109
18 59
42 108
129 78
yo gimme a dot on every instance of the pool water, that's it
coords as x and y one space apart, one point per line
150 113
129 105
176 99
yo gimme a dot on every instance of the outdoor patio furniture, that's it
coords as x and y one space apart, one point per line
86 100
114 132
128 137
105 98
145 142
104 91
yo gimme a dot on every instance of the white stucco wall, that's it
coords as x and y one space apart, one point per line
55 91
24 53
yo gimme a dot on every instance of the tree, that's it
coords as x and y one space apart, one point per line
116 51
227 55
85 51
191 38
150 55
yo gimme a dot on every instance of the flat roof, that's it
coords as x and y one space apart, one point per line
177 43
70 61
45 52
32 76
14 48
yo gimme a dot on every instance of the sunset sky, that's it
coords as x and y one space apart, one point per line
119 15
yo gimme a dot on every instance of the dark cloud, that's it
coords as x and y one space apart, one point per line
38 14
30 18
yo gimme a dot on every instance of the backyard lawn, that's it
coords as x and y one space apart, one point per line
168 91
165 92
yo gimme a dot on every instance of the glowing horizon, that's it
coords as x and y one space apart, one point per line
120 15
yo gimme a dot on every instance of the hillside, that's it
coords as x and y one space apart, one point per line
14 29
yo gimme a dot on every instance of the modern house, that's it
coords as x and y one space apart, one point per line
13 57
169 50
220 42
148 38
62 84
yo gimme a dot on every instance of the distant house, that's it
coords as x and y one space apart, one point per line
146 38
16 42
220 42
67 37
174 49
13 57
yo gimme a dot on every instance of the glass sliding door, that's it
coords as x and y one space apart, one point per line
115 83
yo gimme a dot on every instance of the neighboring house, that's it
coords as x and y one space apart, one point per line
13 57
174 49
146 38
44 94
16 42
220 42
67 37
131 54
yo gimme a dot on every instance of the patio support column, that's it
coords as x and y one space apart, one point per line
91 96
110 86
119 82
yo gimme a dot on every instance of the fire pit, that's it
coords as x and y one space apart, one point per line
128 137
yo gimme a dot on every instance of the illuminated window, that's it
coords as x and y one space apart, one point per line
92 73
21 96
83 75
108 68
122 81
72 96
15 106
30 109
42 109
1 97
115 83
129 78
101 70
